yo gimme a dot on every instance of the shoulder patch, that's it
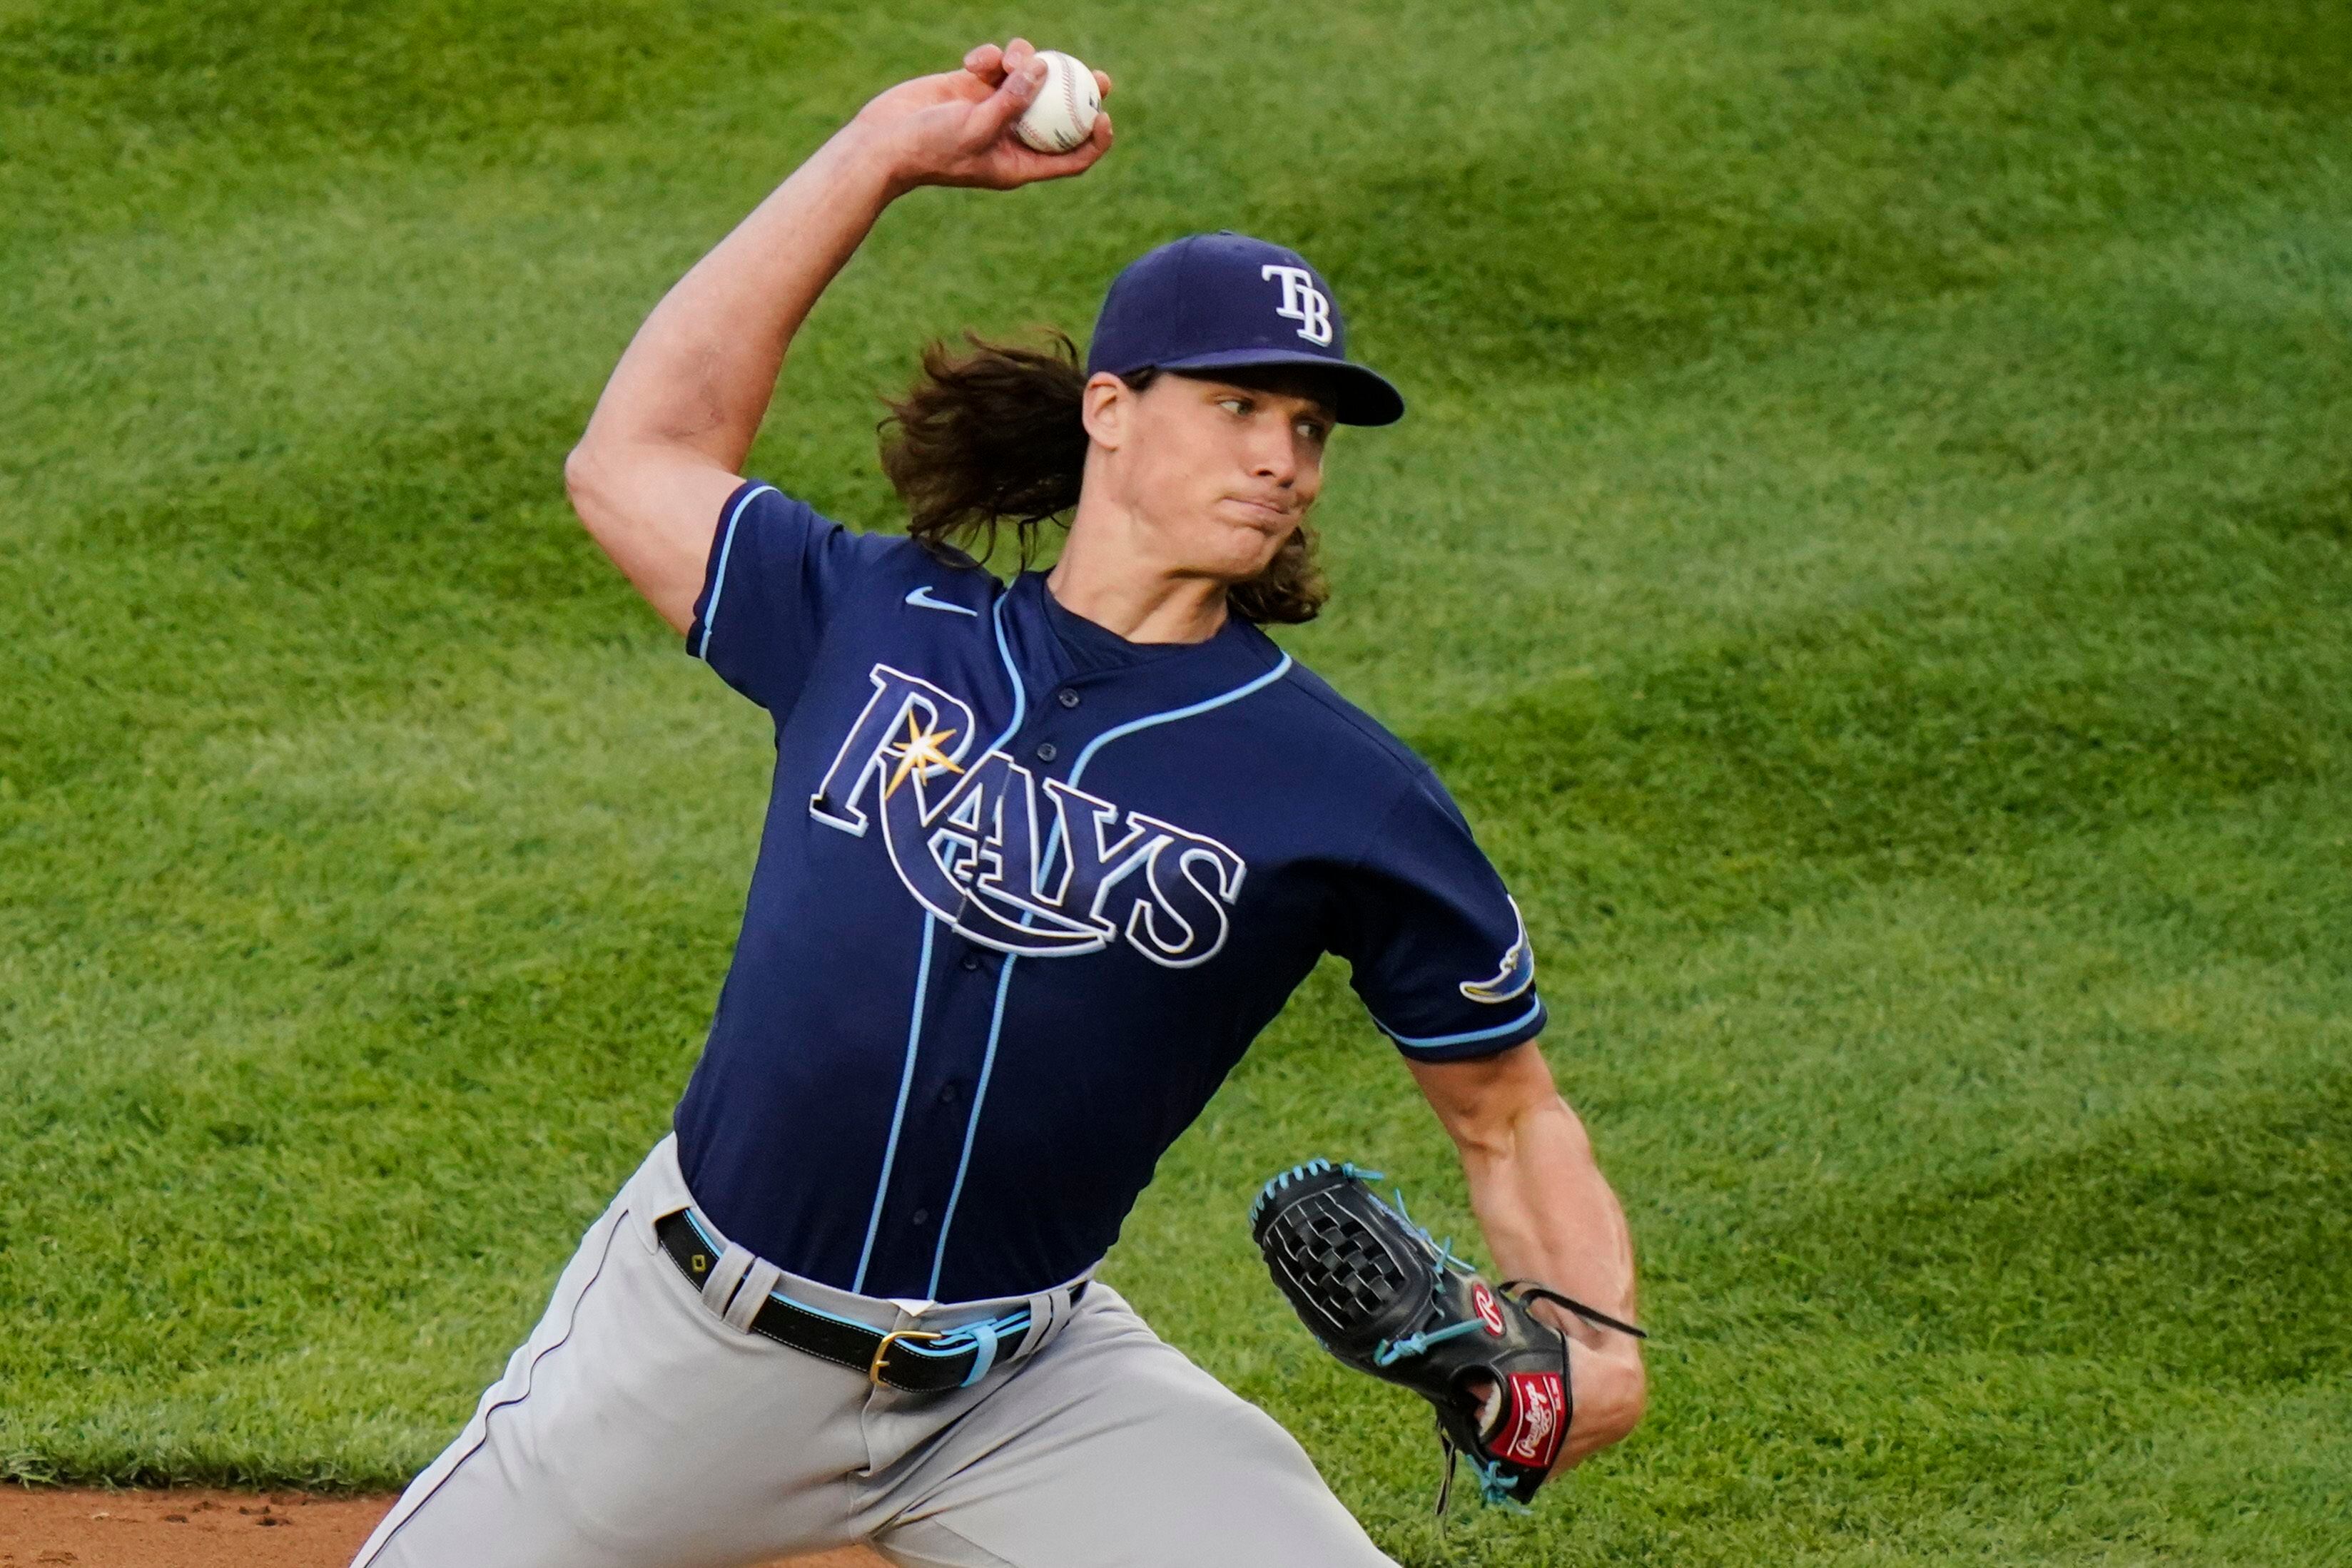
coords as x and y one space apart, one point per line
1517 972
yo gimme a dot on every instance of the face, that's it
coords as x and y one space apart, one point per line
1213 474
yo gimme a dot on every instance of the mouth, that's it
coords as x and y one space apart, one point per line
1265 511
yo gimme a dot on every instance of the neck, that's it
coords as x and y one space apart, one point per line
1107 574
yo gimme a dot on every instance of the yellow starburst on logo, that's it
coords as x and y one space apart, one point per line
921 749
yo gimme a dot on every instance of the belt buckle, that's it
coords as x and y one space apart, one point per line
874 1368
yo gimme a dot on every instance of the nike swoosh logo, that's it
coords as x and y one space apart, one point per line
922 599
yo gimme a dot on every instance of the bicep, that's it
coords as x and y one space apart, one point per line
653 509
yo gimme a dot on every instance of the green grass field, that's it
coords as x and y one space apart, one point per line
1872 552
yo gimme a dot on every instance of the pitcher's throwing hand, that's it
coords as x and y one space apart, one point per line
959 127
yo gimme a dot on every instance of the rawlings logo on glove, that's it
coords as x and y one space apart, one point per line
1377 1291
1538 1406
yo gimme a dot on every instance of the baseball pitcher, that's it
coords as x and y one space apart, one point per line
1041 859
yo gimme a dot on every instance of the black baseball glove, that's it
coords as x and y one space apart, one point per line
1376 1291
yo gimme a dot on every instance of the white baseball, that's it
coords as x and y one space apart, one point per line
1062 112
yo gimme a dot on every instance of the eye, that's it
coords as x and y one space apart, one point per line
1314 430
1235 405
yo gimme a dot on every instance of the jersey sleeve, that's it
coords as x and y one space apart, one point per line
776 574
1439 954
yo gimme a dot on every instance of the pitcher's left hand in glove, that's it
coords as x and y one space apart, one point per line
1376 1291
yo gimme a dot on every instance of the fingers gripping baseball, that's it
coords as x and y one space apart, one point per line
958 128
990 64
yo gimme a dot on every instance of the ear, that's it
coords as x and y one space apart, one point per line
1106 408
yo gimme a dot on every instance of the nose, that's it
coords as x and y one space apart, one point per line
1274 452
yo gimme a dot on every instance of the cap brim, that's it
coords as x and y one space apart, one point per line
1365 396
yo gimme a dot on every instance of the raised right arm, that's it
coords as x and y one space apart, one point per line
668 438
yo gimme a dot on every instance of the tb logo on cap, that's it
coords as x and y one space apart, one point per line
1302 302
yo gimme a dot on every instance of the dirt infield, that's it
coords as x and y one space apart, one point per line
210 1529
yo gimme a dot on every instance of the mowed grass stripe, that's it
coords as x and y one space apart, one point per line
415 548
1756 165
1680 167
1598 529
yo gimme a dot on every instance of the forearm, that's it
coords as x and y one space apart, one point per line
1548 1213
677 419
670 436
700 372
1549 1217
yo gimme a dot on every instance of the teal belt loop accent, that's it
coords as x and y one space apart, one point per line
985 1334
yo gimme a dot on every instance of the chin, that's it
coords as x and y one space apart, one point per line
1248 550
1232 549
1244 566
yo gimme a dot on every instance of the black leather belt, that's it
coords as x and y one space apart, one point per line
914 1361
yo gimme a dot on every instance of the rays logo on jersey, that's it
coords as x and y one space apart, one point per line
964 836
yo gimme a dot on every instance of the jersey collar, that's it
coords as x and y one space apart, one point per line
1174 674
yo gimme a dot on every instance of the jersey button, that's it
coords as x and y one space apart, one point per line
1068 698
972 960
948 1095
921 1217
1048 751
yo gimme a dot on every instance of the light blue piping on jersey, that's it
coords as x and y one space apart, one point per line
899 1116
1078 769
922 983
1004 978
1432 1042
719 578
971 1124
1120 731
1020 691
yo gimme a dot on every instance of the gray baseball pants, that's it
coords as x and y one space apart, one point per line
638 1429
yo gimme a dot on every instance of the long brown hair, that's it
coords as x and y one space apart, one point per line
993 435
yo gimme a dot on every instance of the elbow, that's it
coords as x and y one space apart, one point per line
581 478
596 481
1613 1403
1632 1404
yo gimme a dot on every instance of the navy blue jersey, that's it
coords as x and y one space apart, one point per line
1026 894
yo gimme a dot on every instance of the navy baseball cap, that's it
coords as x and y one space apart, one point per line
1225 301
